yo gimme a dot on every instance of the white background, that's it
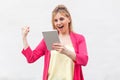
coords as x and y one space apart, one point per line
97 20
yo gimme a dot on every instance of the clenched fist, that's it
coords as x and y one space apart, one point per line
25 31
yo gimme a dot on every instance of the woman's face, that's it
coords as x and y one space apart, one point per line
61 23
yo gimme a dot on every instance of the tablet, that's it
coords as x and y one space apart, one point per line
50 37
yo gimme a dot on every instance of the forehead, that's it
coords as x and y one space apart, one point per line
58 15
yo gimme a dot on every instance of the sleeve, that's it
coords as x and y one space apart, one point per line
81 55
33 55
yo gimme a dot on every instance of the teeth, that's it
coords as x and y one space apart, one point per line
60 27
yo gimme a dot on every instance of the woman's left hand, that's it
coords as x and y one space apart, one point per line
59 47
62 49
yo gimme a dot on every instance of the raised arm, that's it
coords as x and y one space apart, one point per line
31 55
25 31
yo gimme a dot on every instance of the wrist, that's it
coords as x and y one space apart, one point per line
24 37
65 51
70 54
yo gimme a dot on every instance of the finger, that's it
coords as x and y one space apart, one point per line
57 44
26 28
58 48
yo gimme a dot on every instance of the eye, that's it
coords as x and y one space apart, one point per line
55 20
61 19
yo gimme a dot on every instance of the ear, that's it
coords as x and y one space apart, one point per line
69 20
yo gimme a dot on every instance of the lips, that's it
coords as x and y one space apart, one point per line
60 27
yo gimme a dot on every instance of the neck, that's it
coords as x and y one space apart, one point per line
64 34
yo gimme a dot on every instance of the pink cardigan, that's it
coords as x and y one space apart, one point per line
80 48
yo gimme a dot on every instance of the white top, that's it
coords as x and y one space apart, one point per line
61 66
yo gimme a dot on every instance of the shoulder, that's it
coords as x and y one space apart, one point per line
77 35
42 42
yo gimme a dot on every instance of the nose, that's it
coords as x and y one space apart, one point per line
58 22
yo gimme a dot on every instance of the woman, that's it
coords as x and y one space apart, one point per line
66 59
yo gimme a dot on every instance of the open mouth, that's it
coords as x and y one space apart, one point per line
60 27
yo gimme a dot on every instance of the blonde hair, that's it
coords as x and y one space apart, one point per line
62 10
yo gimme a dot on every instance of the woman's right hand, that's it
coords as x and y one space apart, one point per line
25 31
